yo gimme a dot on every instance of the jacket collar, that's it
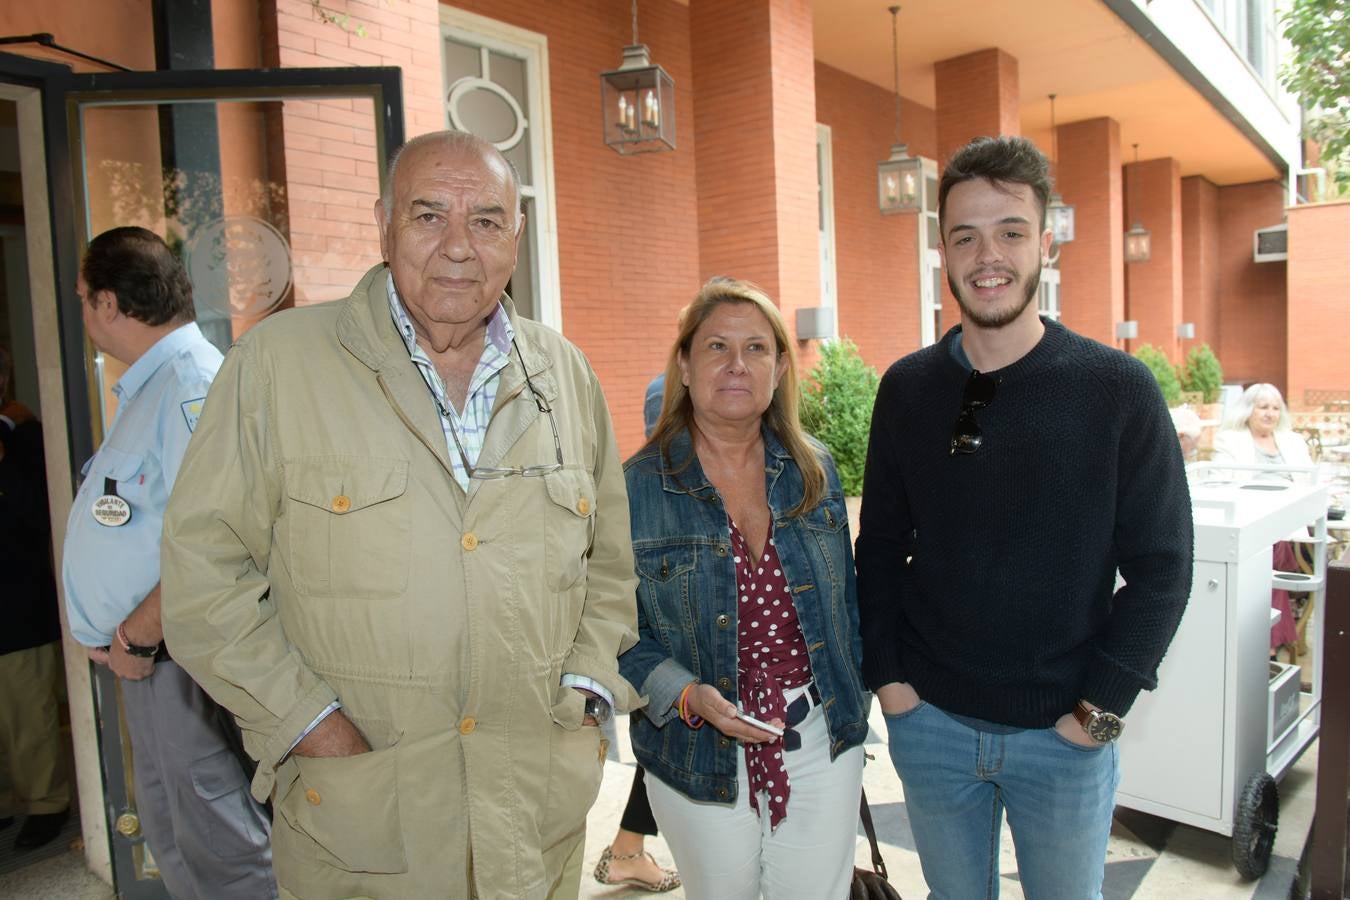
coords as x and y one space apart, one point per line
160 352
692 480
367 331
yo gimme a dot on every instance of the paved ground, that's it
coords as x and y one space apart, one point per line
1148 858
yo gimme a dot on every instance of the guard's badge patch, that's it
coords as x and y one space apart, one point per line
192 409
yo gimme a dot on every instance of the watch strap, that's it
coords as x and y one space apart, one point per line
134 649
1092 720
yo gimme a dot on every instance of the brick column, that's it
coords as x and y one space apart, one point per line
977 94
1200 260
1092 279
1317 272
755 128
1255 295
1153 288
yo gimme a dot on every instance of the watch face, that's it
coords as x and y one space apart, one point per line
597 708
1104 727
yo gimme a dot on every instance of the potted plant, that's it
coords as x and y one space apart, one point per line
836 407
1203 375
1163 371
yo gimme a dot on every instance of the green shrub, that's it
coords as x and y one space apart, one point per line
1203 374
1163 370
837 397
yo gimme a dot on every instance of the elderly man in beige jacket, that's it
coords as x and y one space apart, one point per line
399 552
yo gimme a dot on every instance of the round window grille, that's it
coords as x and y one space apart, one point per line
466 88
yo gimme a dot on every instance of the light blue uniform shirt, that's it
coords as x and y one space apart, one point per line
108 570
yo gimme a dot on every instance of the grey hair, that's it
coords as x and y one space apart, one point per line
453 141
1237 418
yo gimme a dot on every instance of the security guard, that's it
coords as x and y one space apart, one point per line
209 838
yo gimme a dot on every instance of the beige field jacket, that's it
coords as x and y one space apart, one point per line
316 547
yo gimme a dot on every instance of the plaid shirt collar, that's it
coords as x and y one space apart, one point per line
470 425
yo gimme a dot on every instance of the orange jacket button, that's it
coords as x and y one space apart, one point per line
341 503
313 797
583 507
469 541
467 725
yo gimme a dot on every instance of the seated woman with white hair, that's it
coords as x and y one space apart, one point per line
1259 431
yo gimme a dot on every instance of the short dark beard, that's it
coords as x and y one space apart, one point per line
1000 318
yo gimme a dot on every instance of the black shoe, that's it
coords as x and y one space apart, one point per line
40 829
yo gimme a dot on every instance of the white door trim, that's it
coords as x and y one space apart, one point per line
533 48
829 295
51 388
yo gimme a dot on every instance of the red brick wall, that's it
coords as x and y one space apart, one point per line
737 200
793 74
1251 295
1153 288
121 31
1318 271
757 148
1200 259
1092 278
977 94
876 256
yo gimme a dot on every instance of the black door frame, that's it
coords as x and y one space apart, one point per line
63 94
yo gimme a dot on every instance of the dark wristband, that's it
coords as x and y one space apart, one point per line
134 650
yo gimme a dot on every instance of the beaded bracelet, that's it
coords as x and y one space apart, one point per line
687 717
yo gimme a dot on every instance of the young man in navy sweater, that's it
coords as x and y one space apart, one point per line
1013 468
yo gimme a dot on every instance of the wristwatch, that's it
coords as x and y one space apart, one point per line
1100 725
597 708
134 649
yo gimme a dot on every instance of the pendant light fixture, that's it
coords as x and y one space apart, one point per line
899 178
1138 242
637 102
1058 214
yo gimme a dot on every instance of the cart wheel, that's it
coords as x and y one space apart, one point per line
1254 823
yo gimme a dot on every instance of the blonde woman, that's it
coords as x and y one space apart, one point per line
746 601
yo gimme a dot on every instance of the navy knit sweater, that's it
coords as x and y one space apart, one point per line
986 581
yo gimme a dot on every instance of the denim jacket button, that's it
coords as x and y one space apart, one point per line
724 741
723 793
720 550
723 620
724 683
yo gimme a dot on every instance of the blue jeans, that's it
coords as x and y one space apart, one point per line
958 782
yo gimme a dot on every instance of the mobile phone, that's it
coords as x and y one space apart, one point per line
746 717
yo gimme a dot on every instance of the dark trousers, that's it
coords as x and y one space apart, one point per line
637 815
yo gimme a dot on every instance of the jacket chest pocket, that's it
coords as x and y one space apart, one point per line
125 471
664 574
569 524
825 539
829 517
348 526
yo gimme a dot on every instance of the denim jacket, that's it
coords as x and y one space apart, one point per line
687 610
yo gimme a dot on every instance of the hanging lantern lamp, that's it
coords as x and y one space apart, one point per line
637 102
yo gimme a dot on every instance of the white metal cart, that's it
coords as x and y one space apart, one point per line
1207 747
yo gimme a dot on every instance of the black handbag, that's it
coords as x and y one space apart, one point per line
871 885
